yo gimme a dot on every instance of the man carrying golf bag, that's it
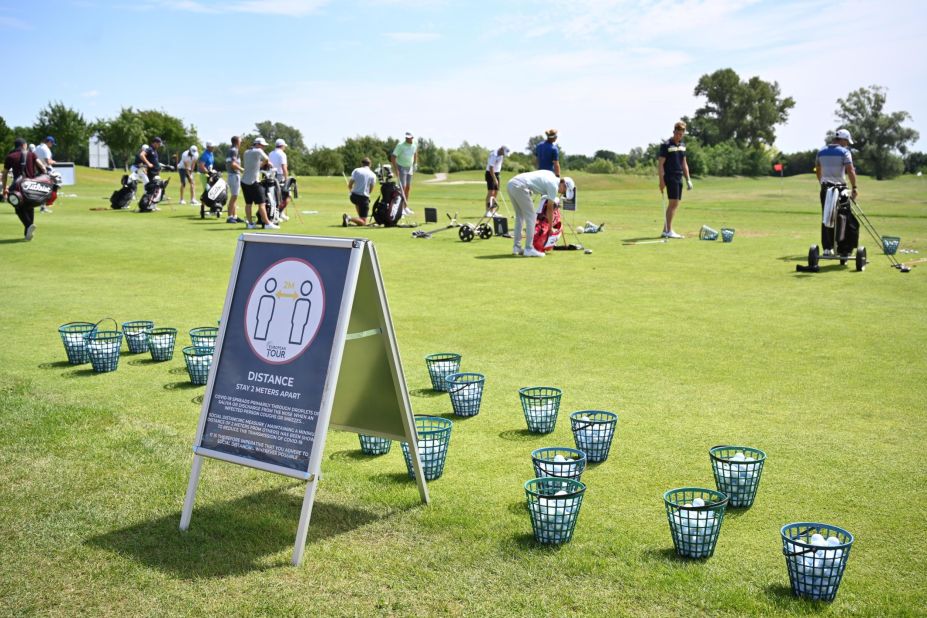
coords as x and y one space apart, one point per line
830 166
31 186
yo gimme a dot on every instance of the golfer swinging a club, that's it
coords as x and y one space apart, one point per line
672 167
520 188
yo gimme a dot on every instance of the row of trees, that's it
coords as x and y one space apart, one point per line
733 133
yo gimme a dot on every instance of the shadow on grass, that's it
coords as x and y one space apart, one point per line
185 385
177 371
11 241
230 538
527 543
86 371
352 455
668 554
520 435
656 240
496 256
198 400
426 392
393 478
140 361
519 507
55 365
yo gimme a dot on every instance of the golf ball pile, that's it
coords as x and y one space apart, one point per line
817 571
137 340
104 347
198 366
466 397
694 529
75 344
374 445
555 516
738 477
431 452
593 437
161 346
204 341
560 466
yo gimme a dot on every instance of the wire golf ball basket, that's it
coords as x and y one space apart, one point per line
198 360
204 336
737 471
593 431
75 342
136 333
558 462
554 504
727 234
161 343
374 445
816 558
440 366
103 347
540 405
695 515
466 392
434 437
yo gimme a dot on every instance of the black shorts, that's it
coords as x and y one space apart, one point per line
492 180
673 187
183 176
363 204
254 194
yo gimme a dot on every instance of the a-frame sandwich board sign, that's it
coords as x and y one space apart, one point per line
298 310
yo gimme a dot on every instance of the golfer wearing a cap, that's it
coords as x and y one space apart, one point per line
146 161
44 154
404 159
493 169
255 158
520 188
20 162
672 166
547 155
185 169
830 166
279 161
234 169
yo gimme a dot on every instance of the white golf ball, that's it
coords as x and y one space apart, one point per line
698 502
559 458
580 229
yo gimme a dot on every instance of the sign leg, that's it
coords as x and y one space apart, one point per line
300 546
191 492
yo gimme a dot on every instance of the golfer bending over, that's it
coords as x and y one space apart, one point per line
520 188
671 167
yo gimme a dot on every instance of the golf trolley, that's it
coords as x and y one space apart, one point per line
215 194
845 217
426 234
154 191
482 229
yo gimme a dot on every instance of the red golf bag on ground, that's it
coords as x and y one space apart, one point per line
547 234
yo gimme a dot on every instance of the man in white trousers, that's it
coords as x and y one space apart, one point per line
521 188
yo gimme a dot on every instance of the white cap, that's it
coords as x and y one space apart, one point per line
280 142
844 134
260 141
570 187
408 135
505 150
209 144
193 148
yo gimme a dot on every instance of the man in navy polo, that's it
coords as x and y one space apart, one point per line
672 167
146 161
547 155
831 164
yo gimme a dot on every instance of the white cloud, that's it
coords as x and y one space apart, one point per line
290 8
89 94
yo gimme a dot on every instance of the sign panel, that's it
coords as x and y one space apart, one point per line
274 357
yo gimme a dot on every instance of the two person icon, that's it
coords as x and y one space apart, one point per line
267 308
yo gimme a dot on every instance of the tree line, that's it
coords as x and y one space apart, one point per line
732 134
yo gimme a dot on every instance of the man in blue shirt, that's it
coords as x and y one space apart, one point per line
547 155
831 164
671 168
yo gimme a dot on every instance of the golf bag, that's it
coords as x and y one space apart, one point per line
215 194
846 227
273 193
38 191
154 193
546 233
387 210
290 188
123 196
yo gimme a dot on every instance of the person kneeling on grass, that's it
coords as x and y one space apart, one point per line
360 185
521 188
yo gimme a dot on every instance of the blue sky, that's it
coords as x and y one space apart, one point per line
610 74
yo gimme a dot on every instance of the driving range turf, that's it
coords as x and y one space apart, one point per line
692 344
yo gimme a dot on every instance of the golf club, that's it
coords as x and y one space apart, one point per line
663 200
645 242
866 223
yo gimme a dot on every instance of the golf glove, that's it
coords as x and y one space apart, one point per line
689 183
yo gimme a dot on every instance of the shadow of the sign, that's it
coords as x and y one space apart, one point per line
232 537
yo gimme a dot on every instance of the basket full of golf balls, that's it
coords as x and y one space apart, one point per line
695 515
816 557
737 471
374 445
136 333
554 505
73 336
161 342
441 365
204 336
434 437
466 392
103 347
558 462
198 360
540 405
593 431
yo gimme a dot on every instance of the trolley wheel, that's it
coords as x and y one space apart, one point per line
814 253
465 233
860 259
218 213
484 231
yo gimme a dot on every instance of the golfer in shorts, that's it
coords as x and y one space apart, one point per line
493 169
255 158
234 169
521 188
672 167
404 159
361 184
185 169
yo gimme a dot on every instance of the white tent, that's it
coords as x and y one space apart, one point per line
99 153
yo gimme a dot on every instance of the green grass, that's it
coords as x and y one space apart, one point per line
692 343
